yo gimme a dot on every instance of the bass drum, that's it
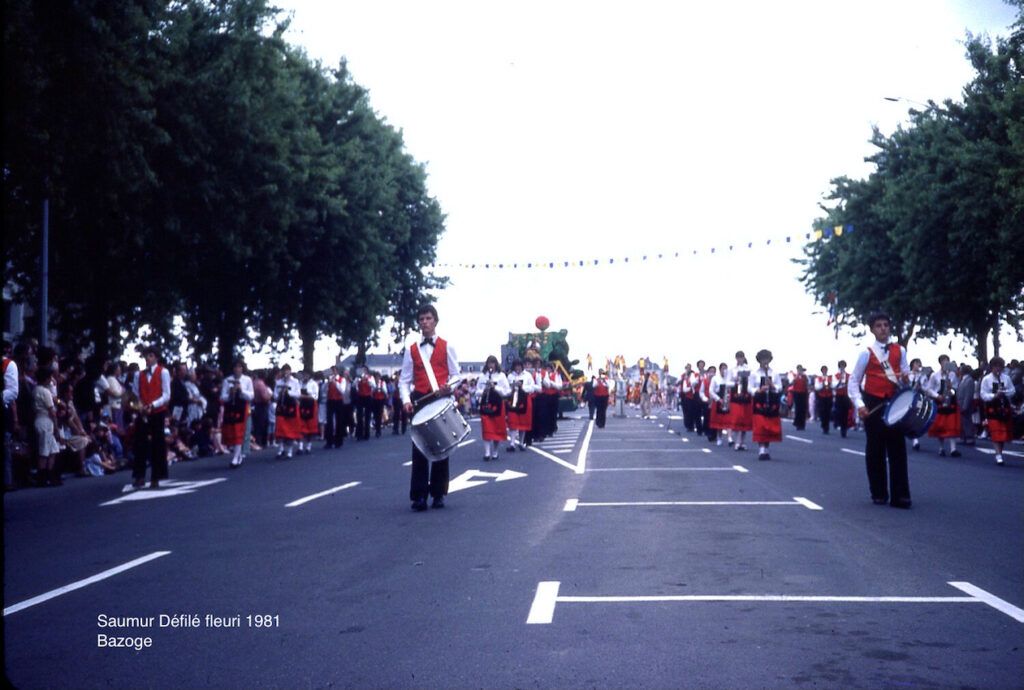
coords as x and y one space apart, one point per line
910 412
437 428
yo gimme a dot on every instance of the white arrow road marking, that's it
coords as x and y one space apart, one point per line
581 461
307 499
852 451
551 457
467 479
83 583
167 488
542 610
801 440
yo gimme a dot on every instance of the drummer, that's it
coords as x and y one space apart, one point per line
880 371
417 380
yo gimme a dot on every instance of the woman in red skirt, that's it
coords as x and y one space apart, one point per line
492 388
741 407
767 425
941 387
236 395
996 391
288 426
520 405
721 407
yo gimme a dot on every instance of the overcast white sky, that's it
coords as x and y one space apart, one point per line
583 130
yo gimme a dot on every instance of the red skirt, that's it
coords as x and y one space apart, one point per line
309 417
493 428
288 428
742 416
766 429
946 425
720 420
522 421
233 433
999 430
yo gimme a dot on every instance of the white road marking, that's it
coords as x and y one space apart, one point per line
740 468
551 457
307 499
407 464
991 451
14 608
570 505
992 600
667 469
650 450
468 479
167 488
797 501
852 451
581 461
801 440
542 610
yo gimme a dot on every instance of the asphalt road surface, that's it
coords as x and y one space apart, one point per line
630 556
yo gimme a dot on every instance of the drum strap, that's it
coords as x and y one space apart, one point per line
429 369
883 359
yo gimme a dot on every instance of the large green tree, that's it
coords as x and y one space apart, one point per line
938 223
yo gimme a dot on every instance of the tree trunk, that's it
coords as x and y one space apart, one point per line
308 335
995 338
361 354
981 339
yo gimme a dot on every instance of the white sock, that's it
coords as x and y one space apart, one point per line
952 445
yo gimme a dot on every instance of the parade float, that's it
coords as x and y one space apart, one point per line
545 345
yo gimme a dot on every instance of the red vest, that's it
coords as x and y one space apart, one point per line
332 391
150 390
826 387
875 382
601 387
800 383
842 381
364 389
438 362
550 376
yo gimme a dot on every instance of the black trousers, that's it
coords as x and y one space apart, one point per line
698 415
841 413
260 421
601 409
705 420
334 429
688 413
885 443
348 419
540 418
800 410
428 478
592 406
398 416
150 447
363 412
552 412
377 405
824 409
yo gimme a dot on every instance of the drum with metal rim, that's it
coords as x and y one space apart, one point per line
437 428
911 412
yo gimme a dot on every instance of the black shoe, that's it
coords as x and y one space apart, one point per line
955 454
901 503
763 456
487 458
419 505
510 449
879 501
155 484
438 502
942 453
843 433
138 483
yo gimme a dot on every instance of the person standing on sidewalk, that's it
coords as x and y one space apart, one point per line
153 389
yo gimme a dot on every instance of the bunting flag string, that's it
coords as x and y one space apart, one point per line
816 235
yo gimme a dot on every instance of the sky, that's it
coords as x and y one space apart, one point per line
556 131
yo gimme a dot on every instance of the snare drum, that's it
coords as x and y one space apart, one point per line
911 412
437 428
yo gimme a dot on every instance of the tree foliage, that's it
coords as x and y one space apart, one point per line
197 165
938 224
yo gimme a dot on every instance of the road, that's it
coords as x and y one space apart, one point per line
629 556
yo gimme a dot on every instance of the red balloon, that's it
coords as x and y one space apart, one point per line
542 323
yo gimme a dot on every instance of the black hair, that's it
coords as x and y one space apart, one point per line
763 354
427 309
878 316
997 362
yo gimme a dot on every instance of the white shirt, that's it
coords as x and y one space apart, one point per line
1005 385
500 383
773 378
529 385
819 382
736 373
11 383
552 381
934 384
841 379
290 385
426 350
244 388
717 381
311 388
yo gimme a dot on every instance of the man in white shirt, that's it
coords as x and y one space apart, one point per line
427 367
